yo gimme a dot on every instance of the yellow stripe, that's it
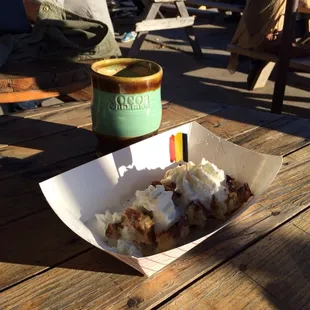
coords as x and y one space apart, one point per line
178 142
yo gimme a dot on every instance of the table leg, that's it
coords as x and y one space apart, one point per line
189 30
259 74
284 56
151 14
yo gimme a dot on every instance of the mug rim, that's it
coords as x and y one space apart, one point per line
125 80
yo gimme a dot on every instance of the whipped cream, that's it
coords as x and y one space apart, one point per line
102 221
159 202
199 182
126 247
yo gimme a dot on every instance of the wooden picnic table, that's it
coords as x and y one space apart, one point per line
262 260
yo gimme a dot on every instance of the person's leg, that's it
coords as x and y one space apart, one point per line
139 5
13 18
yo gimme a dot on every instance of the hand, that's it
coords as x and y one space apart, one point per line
32 8
304 3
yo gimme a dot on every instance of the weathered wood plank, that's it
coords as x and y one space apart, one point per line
252 54
60 146
217 5
162 1
280 137
279 265
92 264
38 111
296 158
21 195
83 94
9 96
303 221
226 123
34 244
226 288
296 63
285 198
34 153
163 24
32 150
17 129
41 79
234 121
31 124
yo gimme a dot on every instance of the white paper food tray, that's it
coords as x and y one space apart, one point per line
105 183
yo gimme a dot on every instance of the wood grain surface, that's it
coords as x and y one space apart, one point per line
70 141
41 79
41 75
226 123
273 274
50 267
17 129
226 288
281 137
45 141
303 222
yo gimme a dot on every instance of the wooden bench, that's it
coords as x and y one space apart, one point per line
261 78
41 79
263 75
150 23
194 7
221 6
283 61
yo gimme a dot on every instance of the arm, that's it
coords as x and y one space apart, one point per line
32 8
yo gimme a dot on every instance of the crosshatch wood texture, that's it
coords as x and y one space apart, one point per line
260 260
41 80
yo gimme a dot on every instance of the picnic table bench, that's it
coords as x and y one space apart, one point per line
260 261
41 79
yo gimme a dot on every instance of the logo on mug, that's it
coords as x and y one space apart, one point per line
130 102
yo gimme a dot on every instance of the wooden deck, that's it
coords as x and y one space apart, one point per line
259 261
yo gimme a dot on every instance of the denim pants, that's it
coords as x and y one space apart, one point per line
13 18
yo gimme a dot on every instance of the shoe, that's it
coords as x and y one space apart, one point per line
129 36
26 105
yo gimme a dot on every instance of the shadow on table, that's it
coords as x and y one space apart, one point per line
278 264
41 148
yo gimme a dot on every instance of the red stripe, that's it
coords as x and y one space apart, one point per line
172 149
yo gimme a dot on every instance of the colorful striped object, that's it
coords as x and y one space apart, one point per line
178 147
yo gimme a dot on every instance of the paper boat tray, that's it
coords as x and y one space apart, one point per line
105 183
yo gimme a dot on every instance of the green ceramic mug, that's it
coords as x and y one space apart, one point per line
126 105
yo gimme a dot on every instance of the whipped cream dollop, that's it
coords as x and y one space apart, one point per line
159 202
198 182
127 247
102 221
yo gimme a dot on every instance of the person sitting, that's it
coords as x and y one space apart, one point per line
55 29
260 29
91 9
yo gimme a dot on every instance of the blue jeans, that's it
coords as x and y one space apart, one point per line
13 18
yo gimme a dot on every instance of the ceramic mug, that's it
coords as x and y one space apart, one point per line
126 105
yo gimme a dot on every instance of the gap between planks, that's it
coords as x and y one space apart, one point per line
223 127
14 151
212 116
241 261
239 249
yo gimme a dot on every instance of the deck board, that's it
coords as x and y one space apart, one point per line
259 277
